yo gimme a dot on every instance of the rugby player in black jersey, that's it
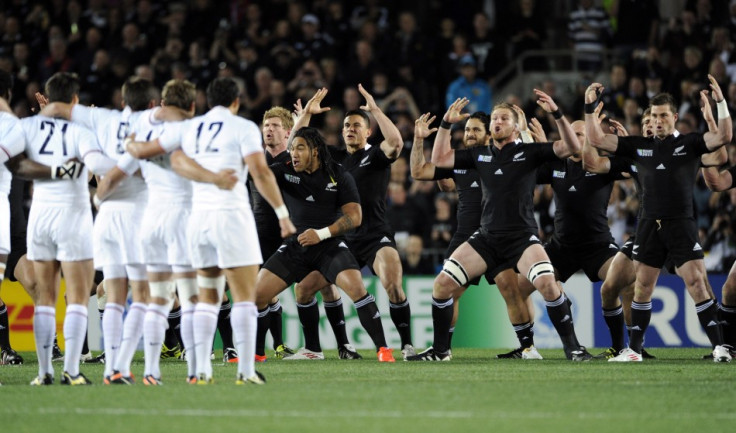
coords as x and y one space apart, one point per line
467 184
666 165
508 234
373 242
319 193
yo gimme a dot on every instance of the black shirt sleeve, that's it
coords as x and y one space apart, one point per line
619 166
464 158
544 174
626 147
347 190
443 173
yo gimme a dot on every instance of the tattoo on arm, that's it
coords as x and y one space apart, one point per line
344 224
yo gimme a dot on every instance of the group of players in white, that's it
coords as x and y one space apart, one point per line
175 222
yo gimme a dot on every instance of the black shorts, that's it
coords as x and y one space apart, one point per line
501 251
269 243
569 258
17 250
365 248
658 240
292 262
457 240
628 246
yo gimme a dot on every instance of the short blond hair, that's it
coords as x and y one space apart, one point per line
179 93
282 113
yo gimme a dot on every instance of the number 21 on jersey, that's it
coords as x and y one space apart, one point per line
50 126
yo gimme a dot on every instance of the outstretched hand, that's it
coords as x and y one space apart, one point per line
455 113
370 103
545 101
421 126
42 100
716 92
313 105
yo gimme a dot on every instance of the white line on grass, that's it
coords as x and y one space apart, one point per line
265 413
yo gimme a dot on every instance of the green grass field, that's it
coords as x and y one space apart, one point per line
475 392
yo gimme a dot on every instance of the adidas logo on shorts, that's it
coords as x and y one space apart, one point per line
697 247
385 240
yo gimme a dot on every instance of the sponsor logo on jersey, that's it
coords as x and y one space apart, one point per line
364 161
331 186
485 158
660 167
474 184
310 198
519 157
678 151
558 174
498 171
459 171
588 174
645 152
291 178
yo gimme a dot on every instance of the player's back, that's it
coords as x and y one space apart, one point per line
12 142
164 185
219 140
111 128
52 142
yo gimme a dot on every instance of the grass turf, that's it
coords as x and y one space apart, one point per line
475 392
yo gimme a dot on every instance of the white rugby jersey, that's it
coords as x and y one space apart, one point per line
164 185
53 141
217 140
111 128
12 143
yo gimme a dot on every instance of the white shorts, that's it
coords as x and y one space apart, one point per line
164 235
223 238
59 233
116 237
4 224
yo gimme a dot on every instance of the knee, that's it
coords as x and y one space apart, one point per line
444 286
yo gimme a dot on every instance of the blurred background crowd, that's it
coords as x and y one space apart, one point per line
412 55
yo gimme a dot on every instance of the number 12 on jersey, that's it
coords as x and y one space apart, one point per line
213 129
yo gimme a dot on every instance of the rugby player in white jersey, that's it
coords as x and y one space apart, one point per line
60 229
118 250
221 230
164 226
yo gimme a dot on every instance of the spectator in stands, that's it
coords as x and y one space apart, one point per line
414 262
468 85
589 29
527 30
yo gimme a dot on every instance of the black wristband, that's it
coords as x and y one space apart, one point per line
590 107
557 114
445 124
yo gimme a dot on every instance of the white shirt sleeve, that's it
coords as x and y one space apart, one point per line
91 117
171 136
91 153
128 164
13 142
250 139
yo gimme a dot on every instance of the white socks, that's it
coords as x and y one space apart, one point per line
112 333
244 319
187 337
205 324
44 325
75 328
154 331
132 332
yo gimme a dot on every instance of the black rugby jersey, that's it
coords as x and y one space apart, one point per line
581 198
265 217
371 169
469 196
314 200
666 170
508 177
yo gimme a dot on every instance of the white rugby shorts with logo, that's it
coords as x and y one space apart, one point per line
62 233
116 237
164 234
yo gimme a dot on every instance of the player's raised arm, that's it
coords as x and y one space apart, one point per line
392 141
568 144
420 168
314 106
724 132
442 153
593 131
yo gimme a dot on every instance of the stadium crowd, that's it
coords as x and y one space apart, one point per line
390 60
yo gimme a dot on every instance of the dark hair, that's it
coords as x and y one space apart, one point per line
360 113
664 99
62 87
6 84
137 93
484 118
222 91
315 140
